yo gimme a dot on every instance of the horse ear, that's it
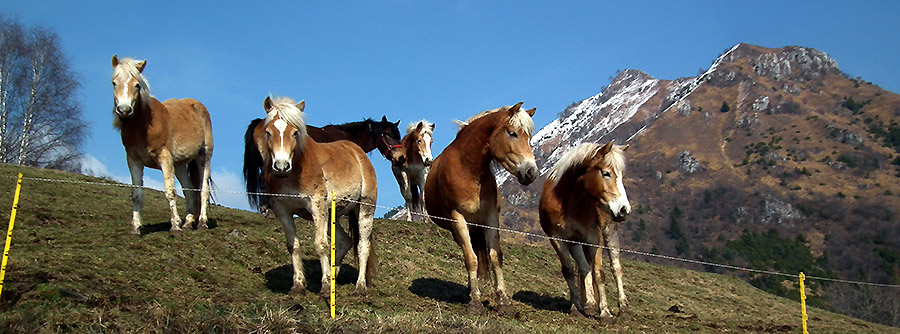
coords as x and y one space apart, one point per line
140 65
384 119
625 148
398 123
531 111
605 149
267 104
419 126
301 105
115 61
514 109
432 127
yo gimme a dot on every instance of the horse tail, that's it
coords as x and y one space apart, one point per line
253 165
195 172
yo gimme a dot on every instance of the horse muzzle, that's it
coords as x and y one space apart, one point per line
527 173
620 216
124 111
281 168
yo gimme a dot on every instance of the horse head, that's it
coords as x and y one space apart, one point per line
130 88
417 144
285 133
603 180
387 139
510 143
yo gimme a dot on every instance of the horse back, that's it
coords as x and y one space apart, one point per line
190 128
347 169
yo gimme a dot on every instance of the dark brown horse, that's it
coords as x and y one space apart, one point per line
307 172
412 167
461 190
367 134
174 136
584 200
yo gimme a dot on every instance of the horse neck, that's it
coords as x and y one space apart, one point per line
145 116
473 153
357 132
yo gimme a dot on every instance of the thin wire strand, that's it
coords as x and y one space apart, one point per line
498 228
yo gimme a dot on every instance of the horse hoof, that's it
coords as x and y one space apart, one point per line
175 233
506 310
575 313
623 310
360 292
475 308
591 311
606 318
297 291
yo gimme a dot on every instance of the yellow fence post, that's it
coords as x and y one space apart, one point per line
333 194
803 302
12 221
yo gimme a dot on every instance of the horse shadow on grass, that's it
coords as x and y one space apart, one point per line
279 280
542 301
165 226
440 290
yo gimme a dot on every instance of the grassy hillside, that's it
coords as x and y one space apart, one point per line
73 268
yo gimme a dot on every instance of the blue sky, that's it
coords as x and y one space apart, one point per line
409 60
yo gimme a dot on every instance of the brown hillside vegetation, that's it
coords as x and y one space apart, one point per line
775 151
73 268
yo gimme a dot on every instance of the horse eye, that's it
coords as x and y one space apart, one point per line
114 83
138 86
268 134
419 141
296 133
512 134
605 174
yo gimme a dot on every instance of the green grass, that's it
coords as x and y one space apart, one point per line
73 268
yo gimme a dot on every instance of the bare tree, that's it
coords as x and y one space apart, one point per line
40 121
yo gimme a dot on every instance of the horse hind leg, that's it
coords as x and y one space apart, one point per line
611 235
586 280
190 196
365 253
168 171
344 242
460 232
595 258
495 256
568 272
203 179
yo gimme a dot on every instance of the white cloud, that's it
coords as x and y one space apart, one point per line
93 167
229 189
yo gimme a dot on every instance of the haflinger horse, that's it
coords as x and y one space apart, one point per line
584 200
305 173
412 166
461 192
368 134
174 136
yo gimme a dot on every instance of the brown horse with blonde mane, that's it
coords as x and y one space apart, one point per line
411 167
305 173
461 192
174 136
584 201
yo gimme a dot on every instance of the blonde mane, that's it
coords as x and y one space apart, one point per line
426 127
520 121
286 109
584 152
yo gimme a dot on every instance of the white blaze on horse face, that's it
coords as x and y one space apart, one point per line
426 153
620 203
281 156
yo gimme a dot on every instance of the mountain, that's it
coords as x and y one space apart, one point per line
772 158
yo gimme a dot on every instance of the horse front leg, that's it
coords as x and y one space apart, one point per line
595 256
611 235
136 168
168 171
403 181
298 283
492 237
586 279
460 232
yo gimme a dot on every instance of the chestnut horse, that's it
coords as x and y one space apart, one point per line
367 134
307 172
411 167
584 201
461 192
174 136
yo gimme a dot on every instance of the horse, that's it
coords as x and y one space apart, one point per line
411 167
367 134
584 201
461 192
306 172
174 136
